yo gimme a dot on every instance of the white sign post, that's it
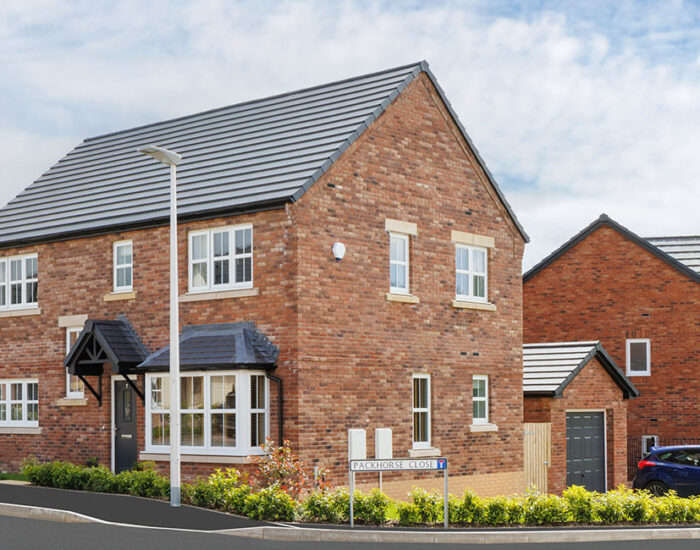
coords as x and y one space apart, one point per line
357 450
398 465
382 447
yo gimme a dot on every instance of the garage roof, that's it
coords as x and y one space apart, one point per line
549 368
245 157
684 249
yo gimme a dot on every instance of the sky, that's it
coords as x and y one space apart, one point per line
577 108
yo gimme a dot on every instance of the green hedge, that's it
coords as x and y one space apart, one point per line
227 490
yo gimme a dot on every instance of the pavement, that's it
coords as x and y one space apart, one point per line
26 501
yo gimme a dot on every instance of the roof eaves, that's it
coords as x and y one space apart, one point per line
608 363
602 220
560 390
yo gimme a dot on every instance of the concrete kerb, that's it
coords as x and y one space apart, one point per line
310 534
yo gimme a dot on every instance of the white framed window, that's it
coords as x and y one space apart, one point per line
649 441
398 263
19 403
471 265
421 411
638 357
221 259
123 266
19 282
75 388
480 399
222 412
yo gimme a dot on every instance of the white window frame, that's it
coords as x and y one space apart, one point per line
23 281
421 444
485 399
628 344
243 412
471 273
117 266
231 258
406 239
72 394
24 402
646 439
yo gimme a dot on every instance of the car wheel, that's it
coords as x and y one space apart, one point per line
657 488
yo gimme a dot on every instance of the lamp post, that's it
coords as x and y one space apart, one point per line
172 159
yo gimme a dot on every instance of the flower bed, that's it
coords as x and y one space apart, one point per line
274 498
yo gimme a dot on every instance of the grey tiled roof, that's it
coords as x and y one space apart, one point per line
116 338
684 249
548 368
248 156
219 346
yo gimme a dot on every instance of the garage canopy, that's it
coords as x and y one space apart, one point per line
549 368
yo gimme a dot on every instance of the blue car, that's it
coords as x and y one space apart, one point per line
670 468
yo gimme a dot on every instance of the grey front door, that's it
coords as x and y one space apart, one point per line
585 450
124 426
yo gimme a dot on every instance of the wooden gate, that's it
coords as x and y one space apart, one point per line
537 442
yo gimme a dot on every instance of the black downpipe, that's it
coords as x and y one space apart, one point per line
280 419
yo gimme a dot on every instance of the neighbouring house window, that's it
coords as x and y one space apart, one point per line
638 357
222 412
471 273
19 282
480 400
123 266
221 259
74 386
398 263
649 441
421 411
19 403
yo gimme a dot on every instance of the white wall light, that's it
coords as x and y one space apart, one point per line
338 250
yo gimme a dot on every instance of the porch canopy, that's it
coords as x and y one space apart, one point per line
105 342
222 346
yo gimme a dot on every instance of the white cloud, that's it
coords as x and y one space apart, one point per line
575 113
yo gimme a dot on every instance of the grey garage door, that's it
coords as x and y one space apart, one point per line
585 450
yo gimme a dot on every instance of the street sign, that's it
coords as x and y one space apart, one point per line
398 464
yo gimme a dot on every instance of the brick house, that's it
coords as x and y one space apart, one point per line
578 394
279 338
639 297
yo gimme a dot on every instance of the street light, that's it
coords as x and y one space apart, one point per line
172 159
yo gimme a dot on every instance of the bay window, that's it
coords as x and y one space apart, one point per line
221 412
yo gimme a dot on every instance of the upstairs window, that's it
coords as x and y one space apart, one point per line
471 273
398 263
638 357
123 266
221 259
19 282
74 386
480 400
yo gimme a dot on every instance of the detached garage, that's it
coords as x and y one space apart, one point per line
575 413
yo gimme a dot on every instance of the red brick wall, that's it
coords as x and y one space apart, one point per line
592 389
608 288
347 355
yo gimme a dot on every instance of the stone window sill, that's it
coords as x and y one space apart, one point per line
404 298
222 295
17 430
483 428
20 312
72 402
204 459
484 306
421 453
116 296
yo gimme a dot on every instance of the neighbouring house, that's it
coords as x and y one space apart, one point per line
639 297
575 414
279 338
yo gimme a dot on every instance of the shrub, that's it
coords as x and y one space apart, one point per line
270 503
281 467
580 503
429 506
468 509
540 509
371 508
670 508
327 507
98 479
496 511
216 491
